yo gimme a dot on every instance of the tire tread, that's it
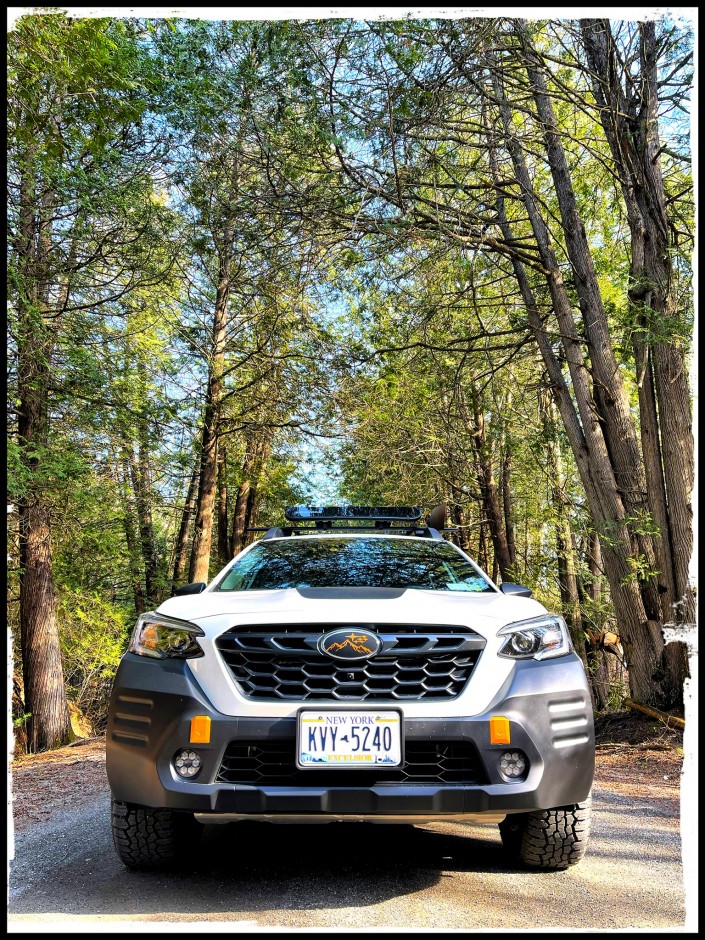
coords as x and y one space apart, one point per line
549 839
147 838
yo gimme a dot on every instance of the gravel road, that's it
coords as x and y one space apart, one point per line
66 877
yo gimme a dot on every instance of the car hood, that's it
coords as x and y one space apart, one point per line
215 611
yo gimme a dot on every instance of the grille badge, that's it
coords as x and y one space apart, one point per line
349 644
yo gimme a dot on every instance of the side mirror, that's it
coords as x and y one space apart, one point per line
518 590
194 588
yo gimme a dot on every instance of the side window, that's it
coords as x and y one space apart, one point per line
243 572
461 576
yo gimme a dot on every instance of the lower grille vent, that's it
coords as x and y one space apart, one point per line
273 763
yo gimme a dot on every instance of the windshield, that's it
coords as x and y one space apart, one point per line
354 562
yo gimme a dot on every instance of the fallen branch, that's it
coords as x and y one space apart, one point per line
81 741
637 747
671 720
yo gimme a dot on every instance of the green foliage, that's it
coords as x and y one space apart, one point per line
94 635
18 472
91 62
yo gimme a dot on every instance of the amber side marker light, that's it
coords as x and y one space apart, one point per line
201 730
499 730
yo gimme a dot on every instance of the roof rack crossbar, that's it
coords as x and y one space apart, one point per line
424 531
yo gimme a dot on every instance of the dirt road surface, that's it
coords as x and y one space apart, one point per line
248 877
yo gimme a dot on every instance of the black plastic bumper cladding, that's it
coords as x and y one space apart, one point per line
153 702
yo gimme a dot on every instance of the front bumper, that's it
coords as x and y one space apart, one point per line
547 704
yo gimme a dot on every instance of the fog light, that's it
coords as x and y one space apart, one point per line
512 765
187 763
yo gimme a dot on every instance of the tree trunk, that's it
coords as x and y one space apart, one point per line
181 553
482 552
618 117
134 549
223 541
655 481
141 484
201 549
458 518
490 496
257 453
508 506
264 446
614 409
567 577
44 694
598 660
643 642
205 505
630 122
238 536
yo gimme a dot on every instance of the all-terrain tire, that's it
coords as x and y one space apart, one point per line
549 839
147 839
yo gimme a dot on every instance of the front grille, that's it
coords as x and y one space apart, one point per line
414 663
273 763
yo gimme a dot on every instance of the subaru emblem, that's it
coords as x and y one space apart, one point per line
350 644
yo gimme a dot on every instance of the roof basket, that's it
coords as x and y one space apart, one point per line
351 513
402 520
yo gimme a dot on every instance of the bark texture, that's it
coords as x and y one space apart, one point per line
203 529
44 695
182 539
491 495
131 537
598 659
257 453
141 484
567 568
223 540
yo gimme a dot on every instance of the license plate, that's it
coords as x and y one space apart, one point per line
329 737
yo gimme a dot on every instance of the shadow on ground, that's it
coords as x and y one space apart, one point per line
252 867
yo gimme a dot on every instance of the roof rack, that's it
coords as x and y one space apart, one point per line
320 514
379 519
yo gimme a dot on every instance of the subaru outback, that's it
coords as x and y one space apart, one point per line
351 665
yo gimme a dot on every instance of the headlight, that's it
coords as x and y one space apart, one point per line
165 637
539 638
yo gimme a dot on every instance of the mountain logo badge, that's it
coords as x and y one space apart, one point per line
350 644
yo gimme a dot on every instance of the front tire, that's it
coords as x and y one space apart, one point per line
548 839
148 839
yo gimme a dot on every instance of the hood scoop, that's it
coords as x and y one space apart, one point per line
350 593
